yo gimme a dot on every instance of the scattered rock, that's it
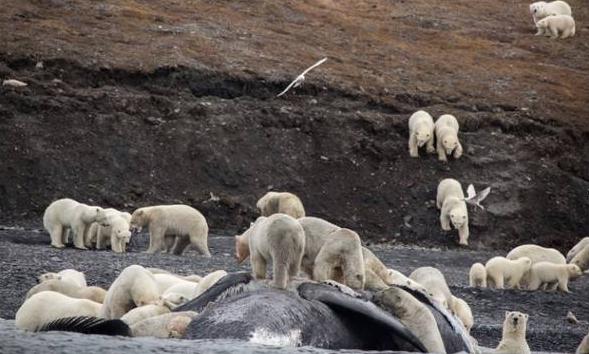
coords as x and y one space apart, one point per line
14 83
571 318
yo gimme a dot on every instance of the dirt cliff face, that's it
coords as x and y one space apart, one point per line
141 103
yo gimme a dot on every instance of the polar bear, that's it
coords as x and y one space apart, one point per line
451 202
48 306
187 223
562 26
115 233
332 253
278 238
447 143
500 269
141 313
414 315
583 348
463 312
134 287
281 202
542 9
435 283
167 281
78 278
69 288
208 281
421 132
582 259
186 290
377 275
169 325
548 273
514 334
398 278
478 276
536 254
65 214
577 248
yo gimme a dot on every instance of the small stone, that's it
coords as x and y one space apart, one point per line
154 120
39 65
14 83
572 318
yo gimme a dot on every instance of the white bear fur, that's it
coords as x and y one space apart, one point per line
69 288
548 273
582 259
398 278
48 306
542 9
577 248
116 232
435 283
65 214
477 276
134 287
169 325
536 254
414 315
278 238
281 202
186 223
559 26
377 275
208 281
421 132
332 252
447 143
173 300
450 201
583 348
141 313
463 312
186 289
514 334
167 281
78 278
500 269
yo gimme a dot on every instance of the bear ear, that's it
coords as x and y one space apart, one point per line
506 314
526 316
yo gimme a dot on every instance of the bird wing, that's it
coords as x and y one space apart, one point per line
314 66
302 76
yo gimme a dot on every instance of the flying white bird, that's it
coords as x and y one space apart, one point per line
299 80
475 199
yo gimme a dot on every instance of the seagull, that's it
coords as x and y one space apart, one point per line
475 199
299 80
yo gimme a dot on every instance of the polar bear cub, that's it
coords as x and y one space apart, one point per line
514 334
141 313
278 238
115 232
70 289
48 306
66 214
477 276
186 223
559 26
447 143
450 199
548 273
421 132
501 269
72 275
536 254
281 202
134 287
542 9
435 283
463 312
577 248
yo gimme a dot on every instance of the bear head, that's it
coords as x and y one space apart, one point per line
574 271
526 262
139 218
48 276
449 142
458 216
515 321
121 231
422 135
172 300
242 250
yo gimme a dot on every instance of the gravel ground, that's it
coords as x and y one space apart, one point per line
26 253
